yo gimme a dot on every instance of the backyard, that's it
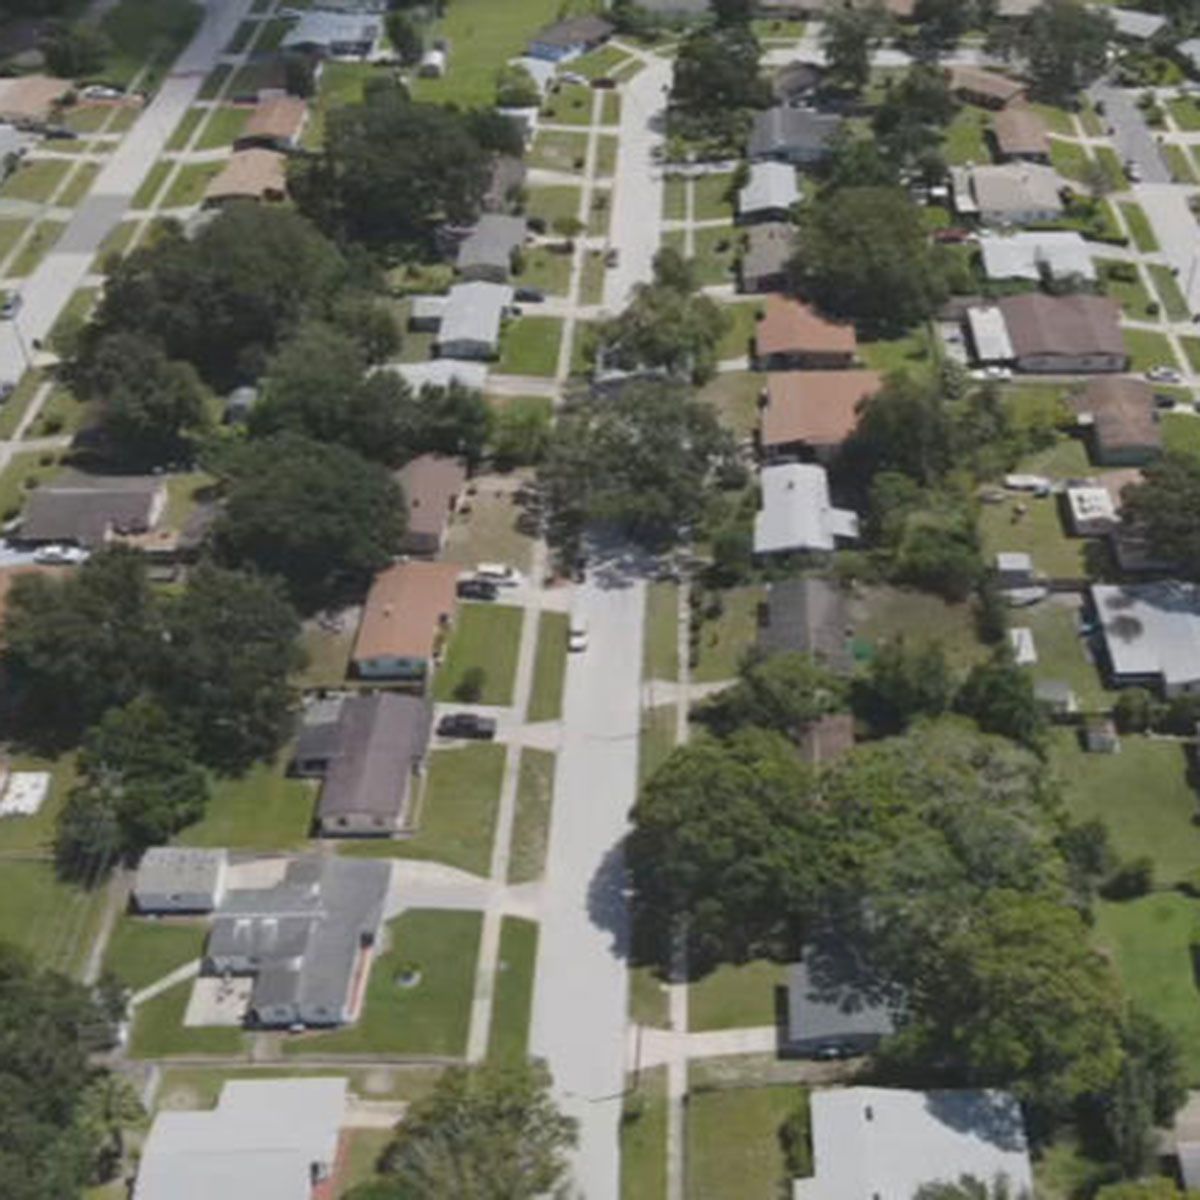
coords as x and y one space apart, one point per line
263 809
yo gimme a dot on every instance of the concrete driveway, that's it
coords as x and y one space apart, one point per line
1131 135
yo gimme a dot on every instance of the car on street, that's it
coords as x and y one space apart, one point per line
1163 374
499 574
467 725
56 555
10 305
611 257
476 589
100 91
577 634
60 133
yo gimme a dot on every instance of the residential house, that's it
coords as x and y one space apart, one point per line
1021 134
795 135
1056 254
797 515
432 485
369 748
249 175
809 414
487 252
793 335
29 101
92 510
180 879
827 738
1151 635
770 193
1008 193
807 615
266 1139
442 372
888 1143
763 266
569 38
275 124
471 323
334 34
1120 421
505 182
408 611
797 81
1064 334
305 942
1091 510
988 335
985 88
1135 26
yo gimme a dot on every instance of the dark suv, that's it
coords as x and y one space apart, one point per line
467 725
476 589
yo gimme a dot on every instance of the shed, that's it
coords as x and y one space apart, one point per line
797 135
1020 638
1100 736
1014 569
180 879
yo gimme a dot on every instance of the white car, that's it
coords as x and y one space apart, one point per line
501 574
1164 375
100 91
577 635
573 77
55 555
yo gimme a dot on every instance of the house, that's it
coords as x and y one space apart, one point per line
91 510
985 88
1009 193
471 322
1021 134
797 514
442 372
1151 635
769 194
1056 696
28 101
305 942
407 612
807 615
275 124
835 1002
334 34
1064 334
432 485
1121 421
1134 26
988 335
827 739
505 182
249 175
569 38
796 81
796 135
487 252
266 1139
871 1143
809 414
1091 511
1047 254
1014 569
791 334
179 879
357 7
763 266
370 749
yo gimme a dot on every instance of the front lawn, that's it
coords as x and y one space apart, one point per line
1191 347
530 346
716 252
1038 532
711 200
1169 292
419 995
546 267
1140 228
224 126
1178 163
570 105
644 1137
660 641
1058 120
656 738
736 997
1148 349
188 187
35 181
159 1032
512 997
531 822
675 190
735 396
549 668
43 239
25 471
606 155
1130 294
142 950
151 185
726 638
488 637
551 203
1181 434
558 150
1185 112
1070 159
1106 156
261 810
78 185
965 138
738 339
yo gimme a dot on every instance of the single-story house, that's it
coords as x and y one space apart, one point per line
470 326
1008 193
441 373
1135 26
275 124
836 1002
797 514
505 182
266 1139
1021 134
791 334
827 738
1121 421
1064 334
179 879
1189 52
795 135
809 414
985 88
769 194
334 35
432 485
1091 511
249 175
369 748
763 266
807 615
988 335
487 252
1051 253
890 1142
569 38
1151 634
30 100
408 610
90 510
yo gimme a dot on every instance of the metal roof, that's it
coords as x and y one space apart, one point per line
779 129
797 513
171 870
1151 629
989 334
1134 24
772 185
1025 255
832 993
317 28
442 372
473 313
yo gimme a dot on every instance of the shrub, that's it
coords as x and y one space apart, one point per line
1134 711
469 688
795 1139
1130 880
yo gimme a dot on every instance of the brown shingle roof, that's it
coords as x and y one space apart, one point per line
250 174
430 484
789 327
405 608
817 407
30 97
985 83
1122 412
1021 131
279 118
1066 325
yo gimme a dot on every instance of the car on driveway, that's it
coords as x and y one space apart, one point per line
529 295
499 574
467 725
477 589
55 555
1162 374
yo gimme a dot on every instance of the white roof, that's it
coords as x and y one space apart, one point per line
259 1143
1025 255
1190 50
317 28
960 184
1013 560
441 372
771 185
1136 24
473 312
1017 188
541 70
1020 637
24 793
1151 629
1092 503
886 1143
796 511
989 333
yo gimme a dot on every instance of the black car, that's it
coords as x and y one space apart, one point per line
467 725
476 589
529 295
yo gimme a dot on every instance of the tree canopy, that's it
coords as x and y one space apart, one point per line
717 81
1063 44
1163 506
848 35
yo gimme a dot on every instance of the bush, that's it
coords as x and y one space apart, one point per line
470 687
1130 880
795 1138
1134 711
1189 885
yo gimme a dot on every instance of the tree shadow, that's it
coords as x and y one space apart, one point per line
608 900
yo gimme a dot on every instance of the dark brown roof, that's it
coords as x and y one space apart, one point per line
276 118
790 327
1021 131
406 608
89 509
817 407
1122 411
1062 325
977 82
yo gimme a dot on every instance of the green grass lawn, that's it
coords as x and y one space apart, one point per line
733 1144
885 613
1141 794
1148 349
1136 303
1070 159
558 150
546 267
187 188
600 215
78 185
1140 229
649 1003
10 232
724 640
530 346
512 999
364 1149
54 922
261 810
1111 164
35 181
1058 120
1062 654
1150 943
43 239
606 155
964 139
74 314
142 951
711 198
1039 532
61 413
911 353
487 636
24 471
215 80
734 395
597 63
550 203
152 185
644 1137
159 1031
1169 292
1191 348
1181 434
14 408
716 252
660 644
549 668
656 738
737 339
733 997
86 118
1178 163
531 823
675 189
1185 112
610 108
224 126
570 105
430 1018
182 133
591 283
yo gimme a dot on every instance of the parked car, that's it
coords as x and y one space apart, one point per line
60 133
56 555
577 634
529 295
611 257
604 81
573 77
499 574
477 589
1161 374
100 91
952 235
1163 401
10 305
467 725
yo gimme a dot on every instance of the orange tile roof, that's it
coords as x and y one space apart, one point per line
817 407
404 610
789 327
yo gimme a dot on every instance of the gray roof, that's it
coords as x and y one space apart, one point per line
768 248
473 313
574 31
771 185
316 28
88 508
779 129
171 870
492 242
1151 629
808 615
797 512
1134 24
832 994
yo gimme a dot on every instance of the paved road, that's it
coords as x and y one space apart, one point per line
1131 135
581 987
1165 204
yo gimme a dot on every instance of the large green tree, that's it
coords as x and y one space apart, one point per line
1164 506
1000 697
848 35
1063 45
717 81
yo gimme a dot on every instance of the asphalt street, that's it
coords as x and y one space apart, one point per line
1166 206
1131 135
